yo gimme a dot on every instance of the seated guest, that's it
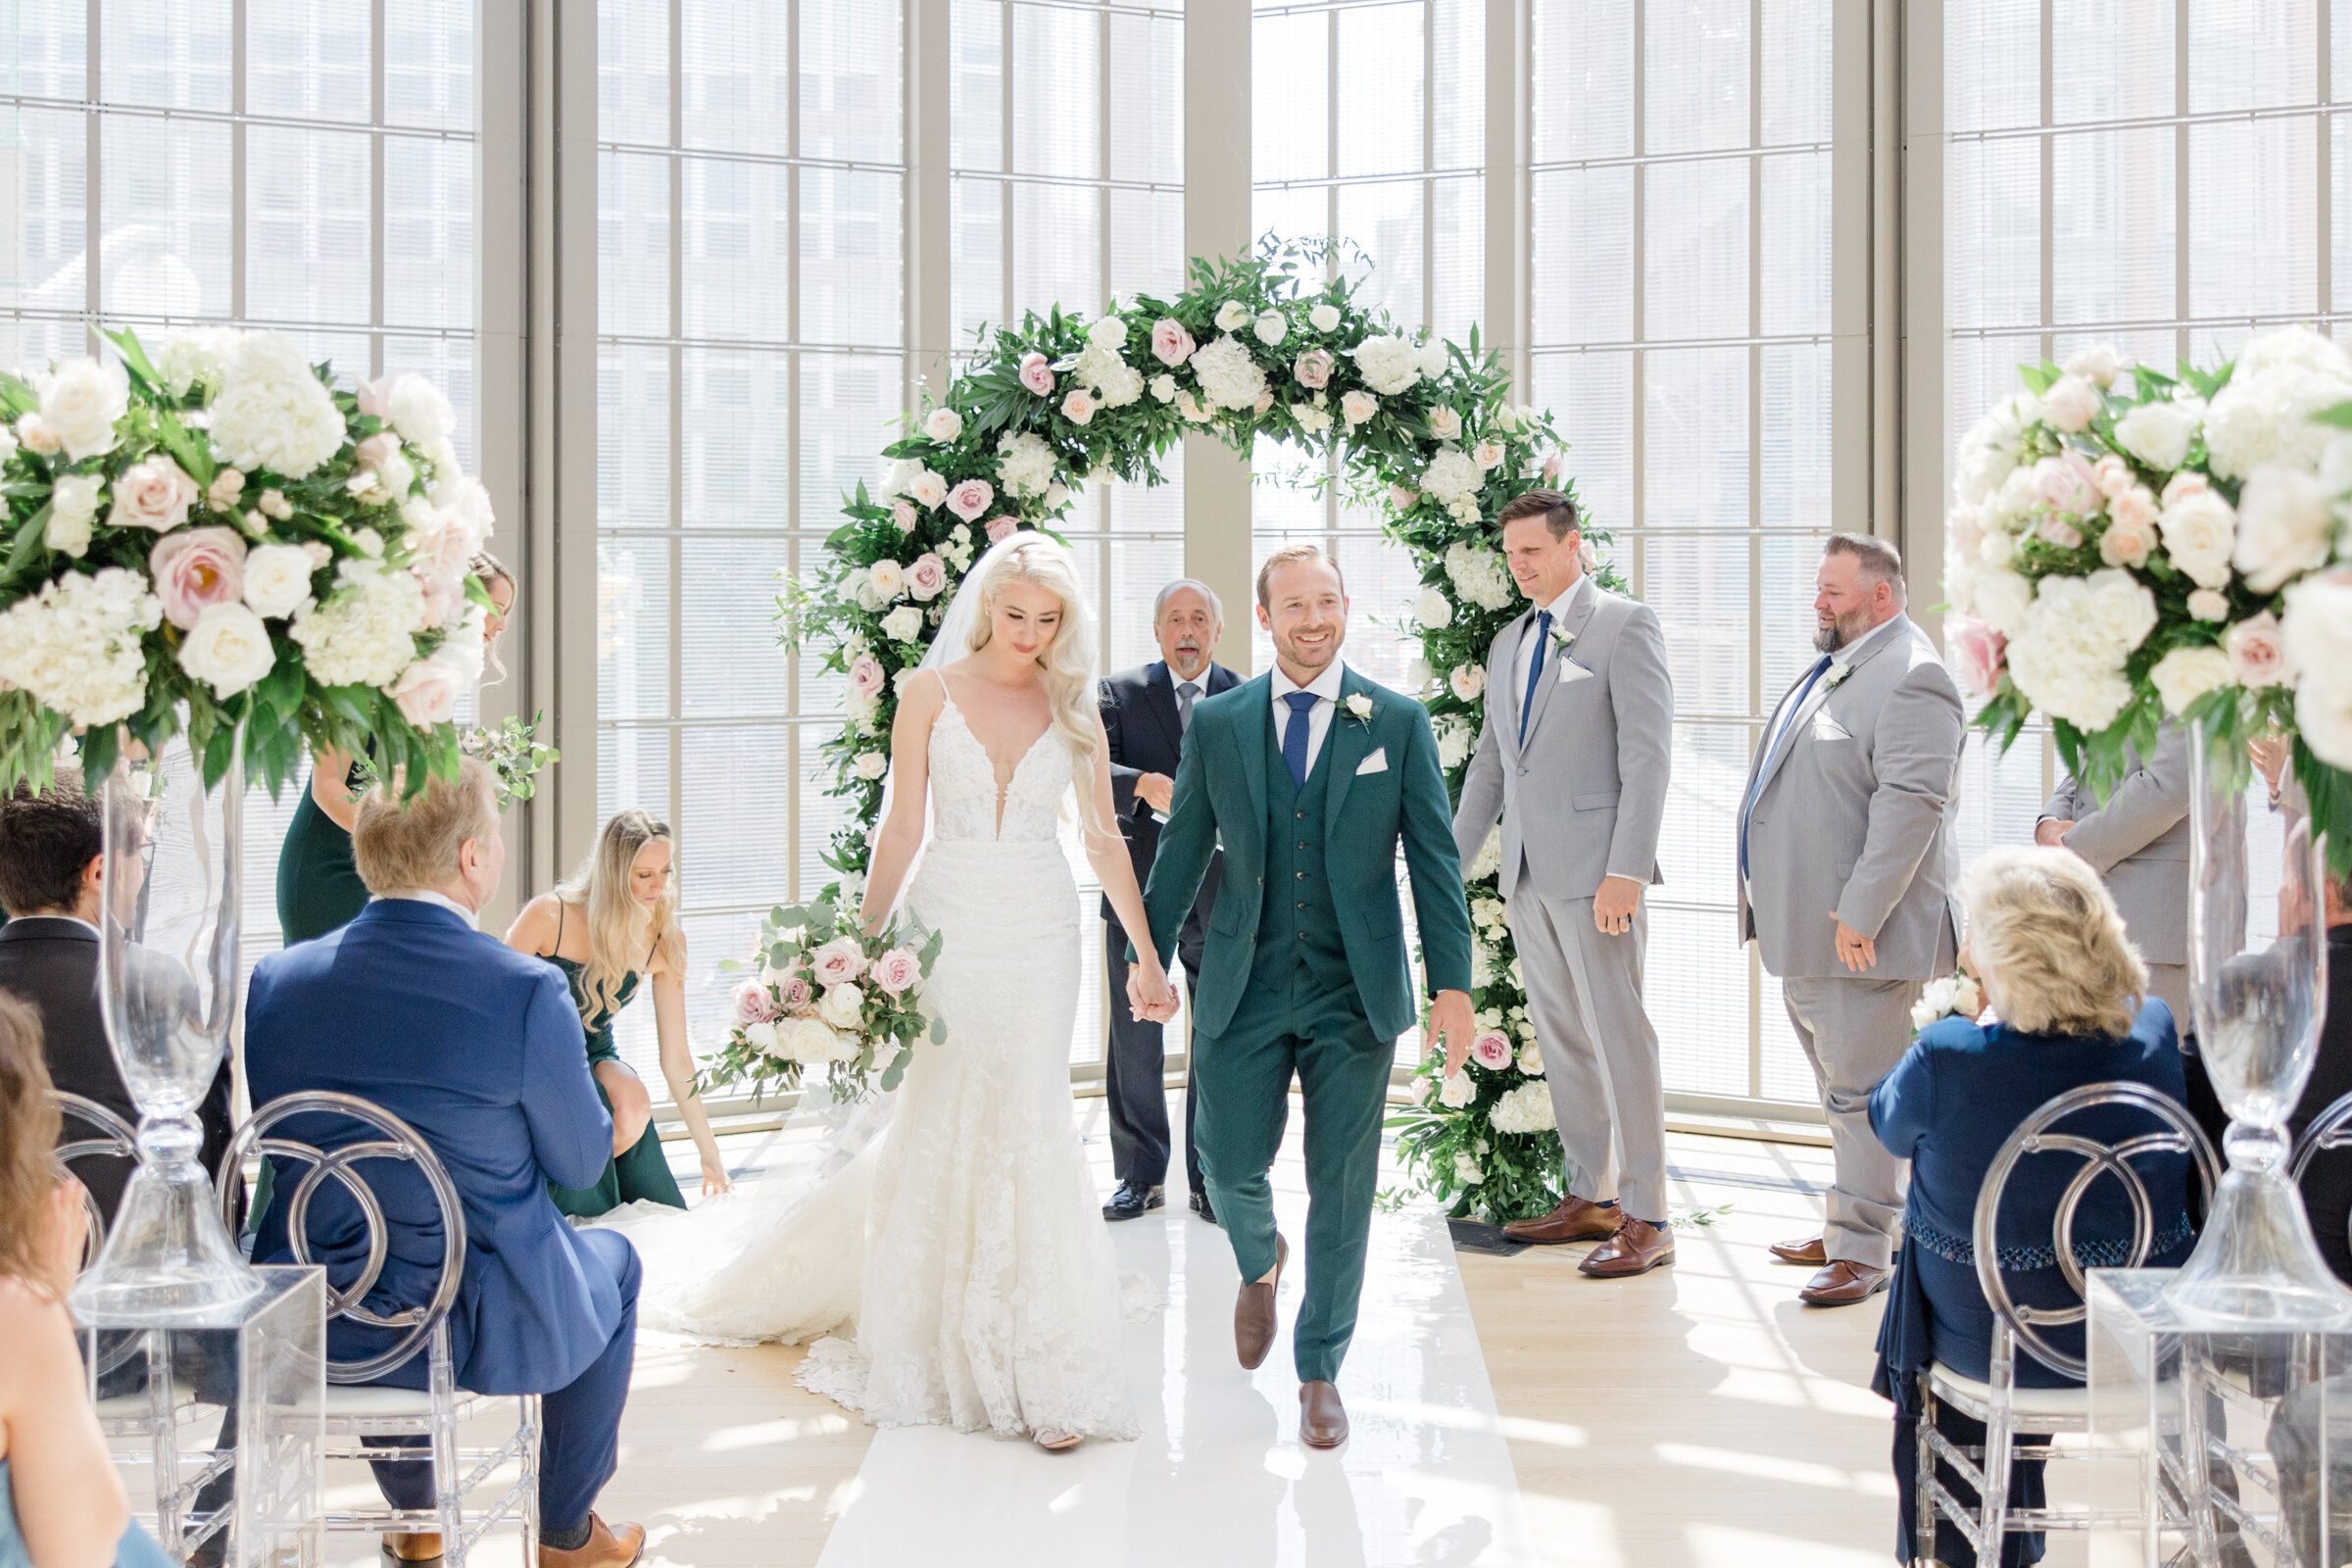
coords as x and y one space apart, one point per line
61 1497
2327 1183
478 1049
51 853
2071 996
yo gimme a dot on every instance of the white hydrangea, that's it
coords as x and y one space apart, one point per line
1489 858
1117 383
77 644
1454 738
1524 1109
1227 375
1025 464
2264 415
360 634
1452 476
418 411
273 412
1993 446
2318 629
1479 575
1387 364
2068 659
196 358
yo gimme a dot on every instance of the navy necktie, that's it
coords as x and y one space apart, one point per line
1764 766
1535 670
1293 735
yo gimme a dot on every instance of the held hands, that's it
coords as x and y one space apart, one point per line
1451 1020
1157 791
1615 905
1149 997
1854 950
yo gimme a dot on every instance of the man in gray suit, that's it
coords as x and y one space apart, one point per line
1843 879
2138 842
1574 760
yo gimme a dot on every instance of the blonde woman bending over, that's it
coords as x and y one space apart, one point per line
614 924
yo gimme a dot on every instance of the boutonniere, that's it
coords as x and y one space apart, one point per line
1836 677
1562 639
1358 707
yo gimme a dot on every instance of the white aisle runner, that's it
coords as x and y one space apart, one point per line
1219 1476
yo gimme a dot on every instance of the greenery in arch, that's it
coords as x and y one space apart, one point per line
1275 344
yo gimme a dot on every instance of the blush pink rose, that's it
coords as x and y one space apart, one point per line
427 691
1171 344
2113 475
1036 375
1401 499
837 962
754 1005
1552 470
2060 532
2128 544
1313 368
971 498
2067 483
2256 650
2185 483
1001 530
195 569
1979 654
797 994
926 577
1491 1050
1079 407
1266 401
2135 507
897 969
902 512
1963 532
375 397
376 451
153 493
865 674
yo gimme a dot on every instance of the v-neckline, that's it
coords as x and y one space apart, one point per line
1005 781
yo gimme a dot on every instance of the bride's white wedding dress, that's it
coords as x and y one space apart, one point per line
985 1297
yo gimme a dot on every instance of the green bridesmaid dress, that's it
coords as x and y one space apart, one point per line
318 886
641 1174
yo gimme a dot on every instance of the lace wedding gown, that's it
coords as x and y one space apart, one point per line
985 1297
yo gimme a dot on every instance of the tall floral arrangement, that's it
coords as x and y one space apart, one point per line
2127 546
1274 343
216 537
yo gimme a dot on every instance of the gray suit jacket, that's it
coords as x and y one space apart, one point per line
1584 797
2138 841
1851 818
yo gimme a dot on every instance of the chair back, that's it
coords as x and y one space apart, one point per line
2330 1129
115 1138
2179 1135
399 1142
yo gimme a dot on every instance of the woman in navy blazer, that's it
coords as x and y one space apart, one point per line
2044 937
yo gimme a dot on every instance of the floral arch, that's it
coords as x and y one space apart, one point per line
1267 344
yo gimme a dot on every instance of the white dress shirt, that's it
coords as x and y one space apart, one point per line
1562 608
1326 688
430 895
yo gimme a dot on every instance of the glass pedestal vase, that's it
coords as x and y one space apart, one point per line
2258 973
168 982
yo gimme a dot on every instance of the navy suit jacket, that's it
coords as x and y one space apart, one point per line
1146 732
480 1048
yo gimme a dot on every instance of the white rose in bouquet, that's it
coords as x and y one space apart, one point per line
927 489
870 765
841 1005
2318 631
1466 1171
196 358
273 412
2200 534
1432 357
944 425
2207 603
2158 434
1531 1059
2120 609
1433 610
2097 364
888 579
1233 316
1453 741
810 1042
1358 406
2285 527
1227 375
80 402
1109 334
1311 419
278 578
1467 682
2070 403
228 648
1456 1091
1445 425
418 411
1164 388
902 624
72 507
1323 317
1387 364
2186 674
1270 329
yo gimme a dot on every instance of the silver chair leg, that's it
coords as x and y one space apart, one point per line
1922 1486
163 1436
530 1482
2197 1457
442 1378
1992 1504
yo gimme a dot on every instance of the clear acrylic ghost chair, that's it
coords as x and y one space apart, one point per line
358 1413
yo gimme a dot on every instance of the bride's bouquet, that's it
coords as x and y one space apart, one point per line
826 994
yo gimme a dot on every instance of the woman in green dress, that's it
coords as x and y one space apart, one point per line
615 923
319 889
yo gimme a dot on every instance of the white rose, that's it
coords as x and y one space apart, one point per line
2284 527
1358 406
760 1037
2070 403
1109 334
2002 599
8 443
1454 742
1311 419
196 358
1487 453
1994 446
1433 610
927 489
80 402
2318 630
2158 434
1467 682
1445 425
1455 1092
1465 1169
945 425
2119 607
2186 674
841 1004
278 578
2208 604
228 648
1164 388
870 765
902 624
2097 364
418 411
1323 317
889 580
72 506
1232 316
2200 534
1270 329
1433 357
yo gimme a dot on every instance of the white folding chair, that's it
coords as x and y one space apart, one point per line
2007 1411
359 1412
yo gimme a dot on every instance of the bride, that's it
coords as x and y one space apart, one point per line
985 1296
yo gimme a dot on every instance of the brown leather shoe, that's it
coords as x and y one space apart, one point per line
1254 1318
1575 1220
420 1545
1638 1247
1845 1282
1810 1250
1322 1418
607 1547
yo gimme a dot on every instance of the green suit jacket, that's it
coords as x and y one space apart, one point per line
1221 789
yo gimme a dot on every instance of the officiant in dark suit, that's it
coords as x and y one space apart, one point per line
1146 711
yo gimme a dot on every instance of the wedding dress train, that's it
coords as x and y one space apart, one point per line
967 1239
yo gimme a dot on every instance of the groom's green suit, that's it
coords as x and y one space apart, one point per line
1306 967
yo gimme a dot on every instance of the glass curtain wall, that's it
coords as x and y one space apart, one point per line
751 344
1679 256
1066 160
300 165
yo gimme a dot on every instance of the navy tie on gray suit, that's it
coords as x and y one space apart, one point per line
1535 670
1293 735
1764 767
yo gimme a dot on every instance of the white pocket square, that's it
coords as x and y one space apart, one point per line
1825 728
1570 671
1377 763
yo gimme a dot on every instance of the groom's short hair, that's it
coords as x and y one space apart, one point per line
1559 512
1295 556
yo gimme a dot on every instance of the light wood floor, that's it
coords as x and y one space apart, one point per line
1694 1417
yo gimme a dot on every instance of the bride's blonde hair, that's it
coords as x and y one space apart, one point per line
1069 667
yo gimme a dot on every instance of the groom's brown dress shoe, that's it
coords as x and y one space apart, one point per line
415 1545
1322 1418
1254 1319
1575 1220
1844 1283
1807 1250
607 1547
1638 1247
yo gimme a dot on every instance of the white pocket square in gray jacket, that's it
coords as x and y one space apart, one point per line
1377 763
1570 671
1825 728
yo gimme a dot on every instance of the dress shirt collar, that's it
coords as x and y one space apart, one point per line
1571 599
1325 685
428 896
69 919
1877 634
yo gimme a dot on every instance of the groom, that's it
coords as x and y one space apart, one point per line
1310 776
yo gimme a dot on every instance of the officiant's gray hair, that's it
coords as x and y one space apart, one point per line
1879 560
1159 601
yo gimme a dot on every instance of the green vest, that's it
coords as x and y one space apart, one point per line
1298 927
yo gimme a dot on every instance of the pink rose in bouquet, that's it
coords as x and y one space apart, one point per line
2060 532
195 569
2128 544
865 676
2113 475
427 691
1491 1050
754 1005
2067 483
1313 368
1036 375
902 512
153 493
1978 653
1552 470
896 970
1401 499
970 498
1171 344
798 995
838 962
1079 407
926 577
1001 530
2256 650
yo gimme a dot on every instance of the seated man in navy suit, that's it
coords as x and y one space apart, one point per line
477 1048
